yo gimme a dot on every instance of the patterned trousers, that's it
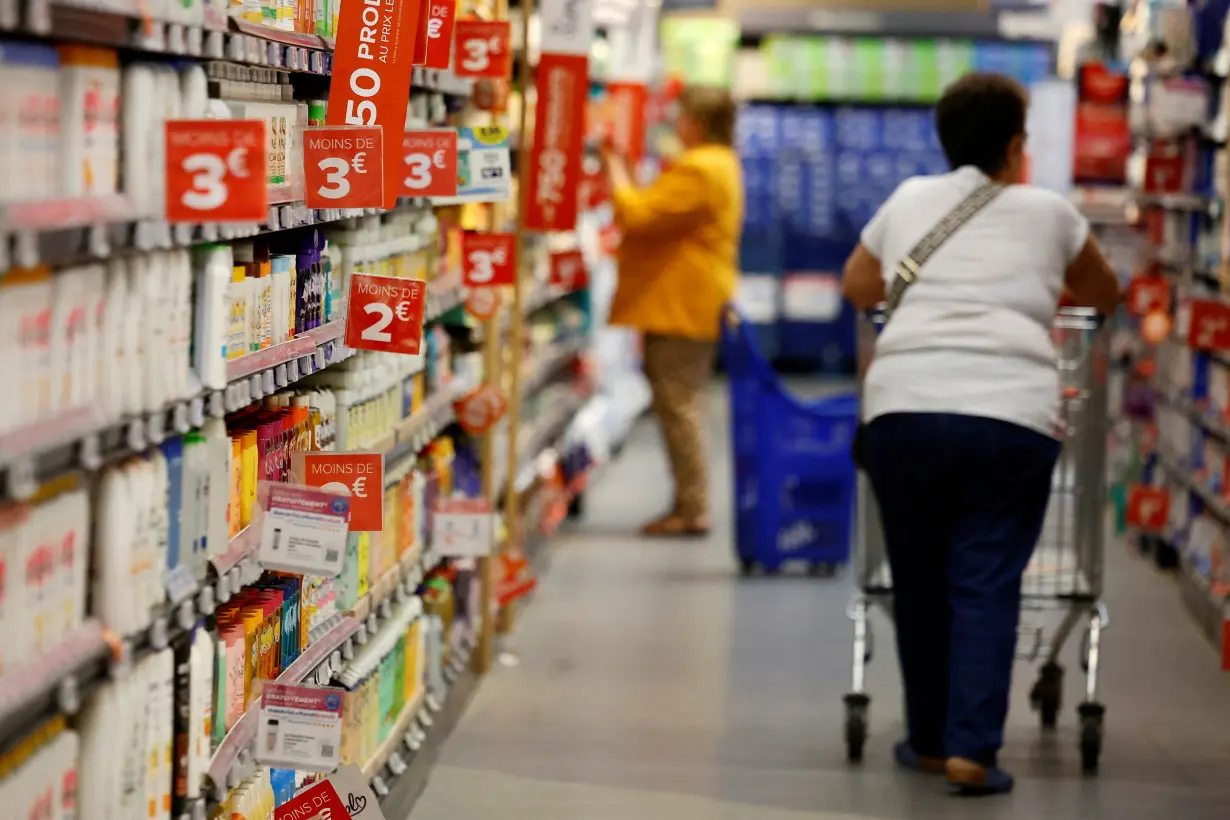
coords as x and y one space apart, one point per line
677 370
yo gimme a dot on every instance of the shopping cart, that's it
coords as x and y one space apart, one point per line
793 474
1065 573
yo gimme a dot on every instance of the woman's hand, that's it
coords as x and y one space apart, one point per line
616 169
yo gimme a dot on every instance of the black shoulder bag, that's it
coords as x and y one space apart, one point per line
907 272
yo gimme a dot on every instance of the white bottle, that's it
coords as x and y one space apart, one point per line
183 379
73 517
142 133
219 477
118 519
213 292
160 513
113 355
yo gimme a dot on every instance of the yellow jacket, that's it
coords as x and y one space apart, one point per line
679 255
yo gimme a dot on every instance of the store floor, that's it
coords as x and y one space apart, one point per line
653 684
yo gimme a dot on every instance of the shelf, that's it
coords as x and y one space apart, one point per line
41 232
232 760
1121 206
414 433
399 733
83 438
51 681
543 367
398 799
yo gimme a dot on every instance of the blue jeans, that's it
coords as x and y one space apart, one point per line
962 500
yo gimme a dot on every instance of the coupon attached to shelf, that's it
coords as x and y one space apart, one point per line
300 727
462 527
303 529
484 166
342 795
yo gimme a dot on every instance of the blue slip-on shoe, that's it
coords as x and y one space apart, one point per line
907 758
969 779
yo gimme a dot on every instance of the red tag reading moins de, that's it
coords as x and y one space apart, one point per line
431 162
434 46
385 313
488 259
372 63
216 171
316 802
358 475
343 167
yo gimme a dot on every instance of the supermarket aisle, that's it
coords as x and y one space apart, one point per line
654 684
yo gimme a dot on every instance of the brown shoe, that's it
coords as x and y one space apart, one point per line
970 779
674 525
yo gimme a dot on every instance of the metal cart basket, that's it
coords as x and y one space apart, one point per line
1065 573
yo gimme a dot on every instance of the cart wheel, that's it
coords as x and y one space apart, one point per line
823 569
856 726
1047 695
747 567
1091 736
1091 745
576 508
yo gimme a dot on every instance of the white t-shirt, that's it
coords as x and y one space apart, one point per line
972 335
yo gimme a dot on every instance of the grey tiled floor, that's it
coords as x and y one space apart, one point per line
652 683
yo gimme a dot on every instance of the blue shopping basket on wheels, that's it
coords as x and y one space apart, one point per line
794 478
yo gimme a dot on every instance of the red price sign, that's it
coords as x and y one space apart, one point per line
216 171
483 49
488 259
1209 325
434 46
431 163
483 303
1146 294
480 409
385 313
316 801
371 72
343 167
568 270
358 475
1148 508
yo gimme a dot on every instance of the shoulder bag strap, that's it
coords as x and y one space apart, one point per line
907 269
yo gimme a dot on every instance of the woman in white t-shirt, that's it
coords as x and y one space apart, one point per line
961 405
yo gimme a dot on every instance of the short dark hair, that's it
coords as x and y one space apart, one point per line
977 118
713 109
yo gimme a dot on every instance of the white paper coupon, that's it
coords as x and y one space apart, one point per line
303 530
300 727
462 528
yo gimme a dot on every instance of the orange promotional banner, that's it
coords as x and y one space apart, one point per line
559 136
215 171
628 120
568 270
343 167
372 63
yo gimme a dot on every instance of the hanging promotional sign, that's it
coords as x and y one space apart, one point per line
627 122
484 48
568 270
1148 508
488 259
357 475
431 162
434 46
385 313
1208 325
559 118
343 167
483 303
372 63
559 135
480 409
216 171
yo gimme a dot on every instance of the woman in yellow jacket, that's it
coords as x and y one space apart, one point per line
677 267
